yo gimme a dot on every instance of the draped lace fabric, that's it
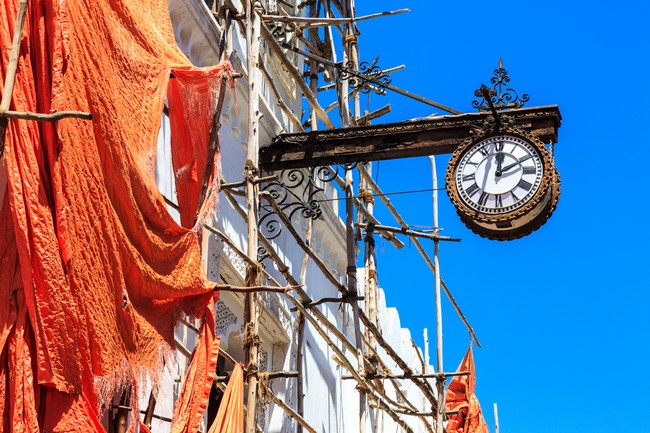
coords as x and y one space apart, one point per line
94 273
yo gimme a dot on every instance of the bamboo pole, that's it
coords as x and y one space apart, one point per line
418 246
309 95
271 375
254 289
284 270
400 394
213 146
365 120
351 53
343 361
10 77
422 385
369 262
283 105
10 80
251 338
50 117
340 300
12 66
440 380
412 376
425 364
301 243
301 325
390 237
300 402
435 237
298 31
380 84
121 419
417 351
148 414
320 22
313 66
292 413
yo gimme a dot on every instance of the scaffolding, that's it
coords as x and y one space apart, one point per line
324 31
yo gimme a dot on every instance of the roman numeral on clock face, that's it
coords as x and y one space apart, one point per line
468 177
515 198
529 170
524 184
484 151
498 201
473 188
483 199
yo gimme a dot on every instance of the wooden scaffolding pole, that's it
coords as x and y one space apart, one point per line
440 380
314 21
12 66
251 172
365 191
297 77
10 80
351 56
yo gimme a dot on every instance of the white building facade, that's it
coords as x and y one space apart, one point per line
330 398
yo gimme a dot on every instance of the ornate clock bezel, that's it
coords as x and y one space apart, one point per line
520 221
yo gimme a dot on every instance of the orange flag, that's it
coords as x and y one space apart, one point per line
460 398
230 417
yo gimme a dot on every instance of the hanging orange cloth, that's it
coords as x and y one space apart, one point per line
103 271
460 397
191 92
230 416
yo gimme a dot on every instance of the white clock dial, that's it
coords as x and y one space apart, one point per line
499 174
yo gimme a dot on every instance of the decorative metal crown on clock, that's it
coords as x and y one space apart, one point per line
501 96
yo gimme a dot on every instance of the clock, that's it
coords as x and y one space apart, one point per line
504 184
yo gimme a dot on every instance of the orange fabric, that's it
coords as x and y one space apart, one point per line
192 92
230 416
199 378
104 270
460 397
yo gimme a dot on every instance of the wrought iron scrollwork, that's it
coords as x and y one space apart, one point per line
296 192
502 96
262 254
369 77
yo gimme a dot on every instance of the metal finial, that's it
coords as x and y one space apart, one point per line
501 96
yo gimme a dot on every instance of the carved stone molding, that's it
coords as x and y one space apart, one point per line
225 318
272 302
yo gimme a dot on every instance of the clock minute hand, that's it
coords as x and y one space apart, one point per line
514 164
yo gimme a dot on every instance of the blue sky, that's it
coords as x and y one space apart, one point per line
562 313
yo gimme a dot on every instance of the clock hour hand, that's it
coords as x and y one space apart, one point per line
514 164
499 157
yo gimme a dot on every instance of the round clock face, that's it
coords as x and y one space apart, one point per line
499 174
